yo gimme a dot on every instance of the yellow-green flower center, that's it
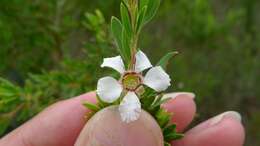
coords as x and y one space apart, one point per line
131 81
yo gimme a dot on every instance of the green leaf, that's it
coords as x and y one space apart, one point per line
4 123
162 117
121 38
152 7
167 144
169 129
170 133
140 19
143 3
7 89
117 29
148 97
126 45
178 136
5 82
101 103
93 20
91 106
125 2
165 60
159 101
100 16
126 21
148 92
173 136
7 101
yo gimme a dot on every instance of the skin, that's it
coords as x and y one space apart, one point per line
61 123
143 132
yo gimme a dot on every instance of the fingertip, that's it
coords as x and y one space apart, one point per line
143 132
231 131
183 108
90 97
228 132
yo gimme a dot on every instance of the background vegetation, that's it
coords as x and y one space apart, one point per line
51 50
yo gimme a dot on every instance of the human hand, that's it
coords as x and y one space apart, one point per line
61 123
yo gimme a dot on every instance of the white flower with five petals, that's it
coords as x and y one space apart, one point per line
109 89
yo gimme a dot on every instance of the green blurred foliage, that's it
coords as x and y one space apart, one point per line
52 50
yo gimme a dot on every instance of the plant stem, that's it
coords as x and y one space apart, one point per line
133 11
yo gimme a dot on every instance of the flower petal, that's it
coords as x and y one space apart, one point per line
157 79
109 89
130 107
115 63
142 62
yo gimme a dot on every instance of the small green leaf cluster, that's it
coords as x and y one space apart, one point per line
71 77
96 23
134 15
9 97
94 108
151 102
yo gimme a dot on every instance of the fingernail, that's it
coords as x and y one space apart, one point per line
178 94
232 114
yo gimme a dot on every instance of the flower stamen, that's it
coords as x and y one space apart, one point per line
131 81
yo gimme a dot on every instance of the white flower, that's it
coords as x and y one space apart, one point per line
110 89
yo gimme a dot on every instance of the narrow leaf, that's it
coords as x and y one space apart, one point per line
165 60
126 21
169 129
140 19
159 101
117 29
101 103
143 3
4 122
167 144
126 45
7 89
100 16
148 97
91 106
152 5
173 136
163 118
